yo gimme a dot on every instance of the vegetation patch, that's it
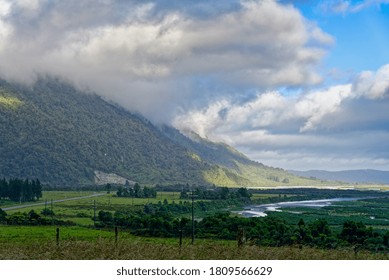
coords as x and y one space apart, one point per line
9 102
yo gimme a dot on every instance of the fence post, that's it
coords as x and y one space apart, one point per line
94 213
57 236
52 212
241 237
116 234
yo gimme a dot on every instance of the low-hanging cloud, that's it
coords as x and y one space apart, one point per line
210 67
151 55
329 125
373 85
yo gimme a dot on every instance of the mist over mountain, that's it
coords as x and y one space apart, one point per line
53 132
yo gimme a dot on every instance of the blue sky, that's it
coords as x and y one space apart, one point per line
361 36
292 84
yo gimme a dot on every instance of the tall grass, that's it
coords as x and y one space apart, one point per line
107 249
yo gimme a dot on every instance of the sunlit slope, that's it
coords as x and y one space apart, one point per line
232 168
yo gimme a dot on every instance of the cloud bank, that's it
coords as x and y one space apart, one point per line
229 70
347 124
152 55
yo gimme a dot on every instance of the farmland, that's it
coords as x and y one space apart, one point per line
83 237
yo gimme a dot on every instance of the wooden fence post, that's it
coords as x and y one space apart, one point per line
241 238
57 236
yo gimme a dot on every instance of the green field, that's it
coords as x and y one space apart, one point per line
81 211
84 241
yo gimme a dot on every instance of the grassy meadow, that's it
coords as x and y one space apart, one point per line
81 211
84 241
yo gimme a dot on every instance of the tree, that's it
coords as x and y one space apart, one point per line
184 195
137 190
47 212
3 189
105 217
37 189
320 227
301 223
108 188
243 193
3 216
224 193
119 192
149 192
386 239
355 232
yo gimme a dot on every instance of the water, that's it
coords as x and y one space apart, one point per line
260 210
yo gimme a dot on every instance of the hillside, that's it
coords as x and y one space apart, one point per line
349 176
54 132
229 166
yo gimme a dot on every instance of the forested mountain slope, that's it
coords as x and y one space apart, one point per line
53 132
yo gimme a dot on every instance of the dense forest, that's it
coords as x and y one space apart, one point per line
53 131
21 190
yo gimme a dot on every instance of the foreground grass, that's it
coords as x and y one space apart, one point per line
80 243
138 249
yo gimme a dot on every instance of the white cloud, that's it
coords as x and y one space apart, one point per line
344 151
349 6
373 85
166 61
315 106
270 109
203 120
130 52
341 124
5 29
5 7
28 4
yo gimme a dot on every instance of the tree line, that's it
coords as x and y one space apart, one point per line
16 189
221 193
136 191
171 220
32 218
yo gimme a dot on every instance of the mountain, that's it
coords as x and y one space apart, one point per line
348 176
65 137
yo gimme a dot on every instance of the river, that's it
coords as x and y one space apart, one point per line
260 210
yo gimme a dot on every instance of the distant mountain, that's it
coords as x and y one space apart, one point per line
64 137
348 176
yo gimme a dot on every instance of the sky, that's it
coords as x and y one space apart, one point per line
293 84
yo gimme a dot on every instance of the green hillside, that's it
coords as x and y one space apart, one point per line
230 167
54 132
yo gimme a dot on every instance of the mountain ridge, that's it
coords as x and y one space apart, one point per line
53 131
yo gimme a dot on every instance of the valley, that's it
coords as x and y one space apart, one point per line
113 185
87 221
